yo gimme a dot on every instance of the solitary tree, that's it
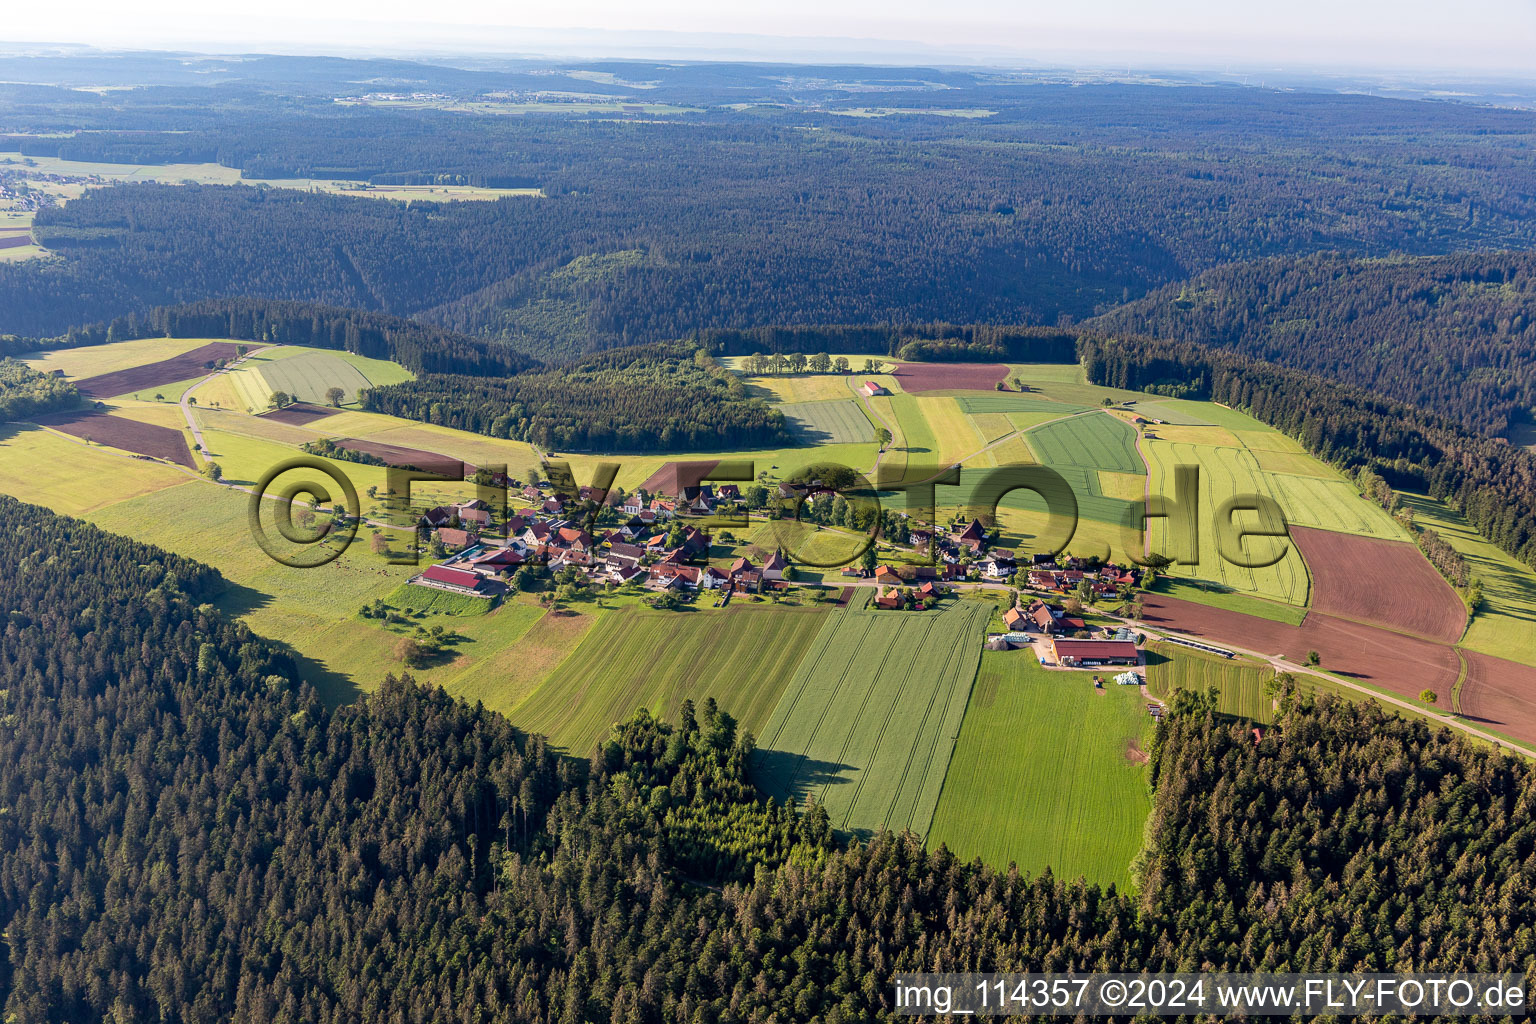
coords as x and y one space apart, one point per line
280 399
882 437
1429 696
379 544
1314 659
213 471
334 396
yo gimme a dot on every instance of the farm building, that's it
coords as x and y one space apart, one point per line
452 538
1086 653
872 390
458 580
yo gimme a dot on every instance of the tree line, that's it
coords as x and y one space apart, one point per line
1455 334
933 342
1492 482
190 834
26 393
419 347
660 397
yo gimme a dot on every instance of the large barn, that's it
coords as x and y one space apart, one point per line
1090 653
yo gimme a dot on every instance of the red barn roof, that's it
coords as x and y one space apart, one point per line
452 577
1097 650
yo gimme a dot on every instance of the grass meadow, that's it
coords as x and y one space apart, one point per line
1505 624
315 611
868 722
840 421
72 477
743 656
307 374
1048 772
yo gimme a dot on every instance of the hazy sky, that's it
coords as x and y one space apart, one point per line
1467 36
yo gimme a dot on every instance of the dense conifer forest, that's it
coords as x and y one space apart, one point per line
191 835
420 348
662 397
1064 202
919 342
1455 334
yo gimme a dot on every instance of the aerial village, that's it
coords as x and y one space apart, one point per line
660 542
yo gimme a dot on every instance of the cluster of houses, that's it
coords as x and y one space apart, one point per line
643 549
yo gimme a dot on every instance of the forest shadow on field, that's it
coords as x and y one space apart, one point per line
238 601
771 768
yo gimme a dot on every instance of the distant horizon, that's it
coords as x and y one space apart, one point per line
1485 40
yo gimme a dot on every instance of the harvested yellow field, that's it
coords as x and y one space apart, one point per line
993 425
71 477
217 392
951 428
1126 486
1296 463
159 413
1269 440
810 387
1216 437
96 360
221 418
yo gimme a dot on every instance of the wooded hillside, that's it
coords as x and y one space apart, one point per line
1455 334
662 397
191 835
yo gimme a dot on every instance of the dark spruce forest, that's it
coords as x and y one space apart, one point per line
189 833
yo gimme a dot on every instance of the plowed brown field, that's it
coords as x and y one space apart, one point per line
1381 581
1500 694
919 377
673 477
1402 664
412 458
129 435
299 413
166 371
